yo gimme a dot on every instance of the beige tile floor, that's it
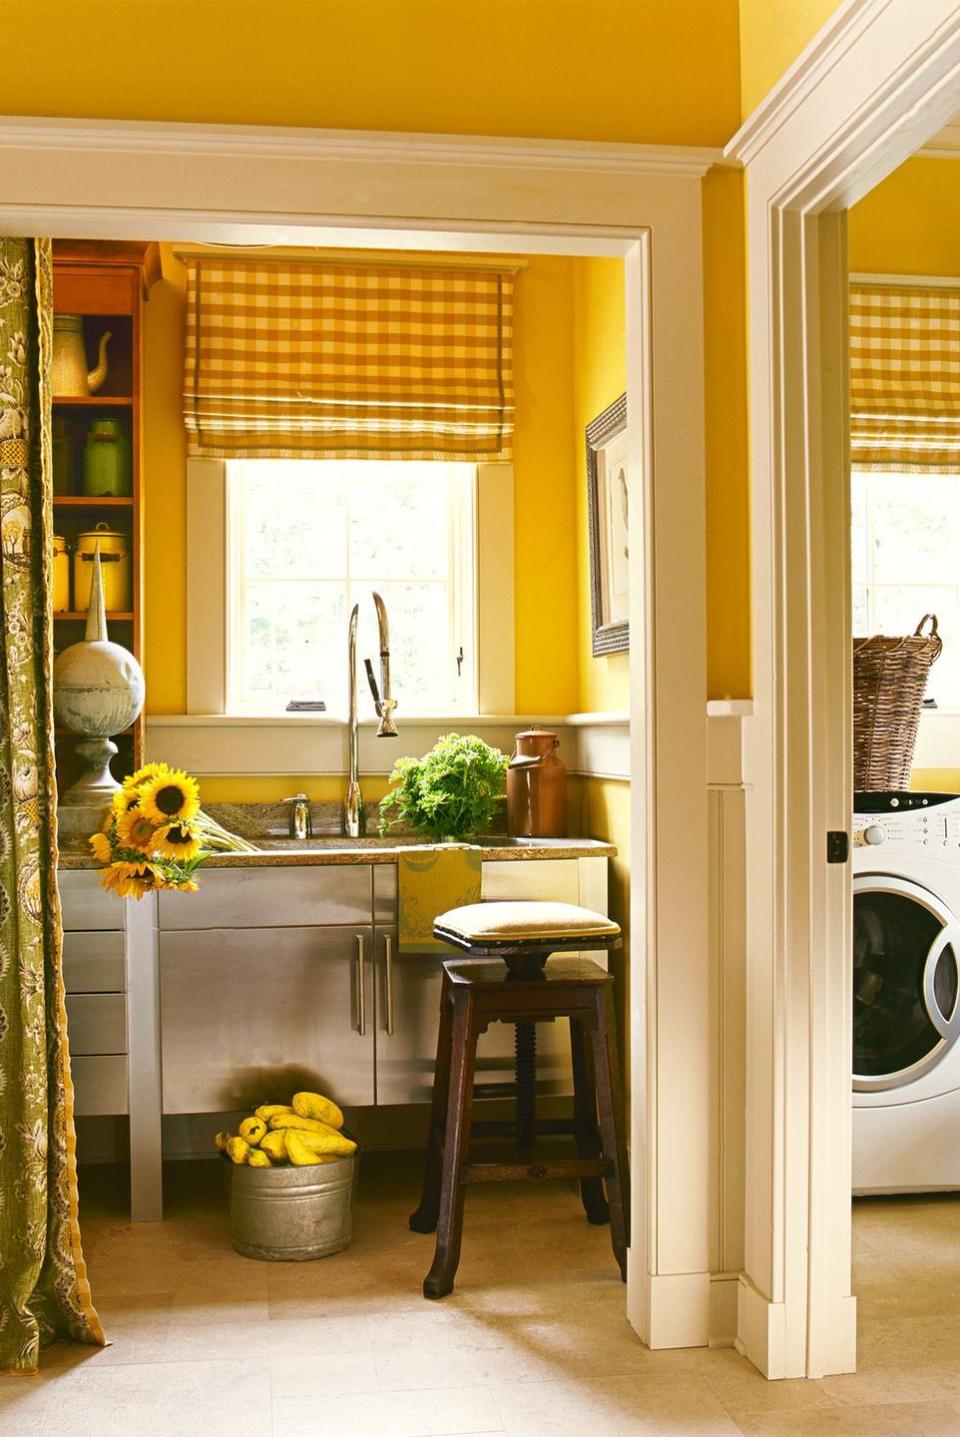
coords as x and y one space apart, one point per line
532 1343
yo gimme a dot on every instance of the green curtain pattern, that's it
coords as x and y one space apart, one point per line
44 1292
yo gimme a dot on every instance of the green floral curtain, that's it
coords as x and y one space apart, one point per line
44 1292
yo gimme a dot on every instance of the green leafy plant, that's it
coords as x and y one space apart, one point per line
450 793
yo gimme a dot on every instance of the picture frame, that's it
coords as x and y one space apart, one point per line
608 523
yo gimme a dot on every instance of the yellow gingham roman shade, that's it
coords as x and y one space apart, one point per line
323 360
905 377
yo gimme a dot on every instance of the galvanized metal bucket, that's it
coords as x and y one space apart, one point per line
293 1214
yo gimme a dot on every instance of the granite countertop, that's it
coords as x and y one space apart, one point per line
266 826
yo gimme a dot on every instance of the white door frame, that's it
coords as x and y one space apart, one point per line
877 82
179 182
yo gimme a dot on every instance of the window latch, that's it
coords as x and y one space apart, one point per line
460 662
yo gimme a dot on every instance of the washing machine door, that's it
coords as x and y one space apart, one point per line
906 981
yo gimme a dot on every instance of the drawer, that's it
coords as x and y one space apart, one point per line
550 880
100 1086
94 962
273 898
85 904
97 1023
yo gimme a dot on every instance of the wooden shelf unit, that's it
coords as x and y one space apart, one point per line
107 285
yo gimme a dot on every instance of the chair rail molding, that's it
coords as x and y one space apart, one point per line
274 186
878 81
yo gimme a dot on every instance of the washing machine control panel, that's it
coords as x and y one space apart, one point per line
919 822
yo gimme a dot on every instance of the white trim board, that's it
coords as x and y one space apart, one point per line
115 181
315 745
876 83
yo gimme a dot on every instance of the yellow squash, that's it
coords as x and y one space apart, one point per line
274 1146
252 1130
237 1150
285 1121
315 1105
221 1140
331 1142
258 1159
268 1110
301 1154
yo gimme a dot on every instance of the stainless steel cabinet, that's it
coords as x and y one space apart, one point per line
249 1015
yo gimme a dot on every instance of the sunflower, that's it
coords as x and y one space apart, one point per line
185 885
177 840
129 880
134 830
134 781
123 801
170 797
102 848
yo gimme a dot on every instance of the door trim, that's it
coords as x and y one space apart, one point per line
116 180
876 83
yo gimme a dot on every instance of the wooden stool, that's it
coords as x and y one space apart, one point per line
525 989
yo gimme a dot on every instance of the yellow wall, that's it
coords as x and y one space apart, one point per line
910 224
599 377
547 673
772 35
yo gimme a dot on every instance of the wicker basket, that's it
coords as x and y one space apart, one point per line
889 679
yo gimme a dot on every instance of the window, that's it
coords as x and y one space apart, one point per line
306 540
906 563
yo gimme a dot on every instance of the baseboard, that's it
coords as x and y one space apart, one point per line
672 1309
760 1330
724 1288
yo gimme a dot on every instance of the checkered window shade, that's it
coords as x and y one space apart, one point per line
339 361
905 378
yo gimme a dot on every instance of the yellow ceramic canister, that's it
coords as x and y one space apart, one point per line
61 575
114 566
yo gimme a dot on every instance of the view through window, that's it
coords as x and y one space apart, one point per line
308 539
906 563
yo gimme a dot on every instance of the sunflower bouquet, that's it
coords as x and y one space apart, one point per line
156 834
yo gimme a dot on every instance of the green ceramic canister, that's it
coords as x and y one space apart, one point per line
61 455
106 459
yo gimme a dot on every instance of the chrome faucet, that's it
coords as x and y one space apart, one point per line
301 825
383 702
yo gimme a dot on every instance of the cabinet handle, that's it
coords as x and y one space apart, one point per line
388 979
361 996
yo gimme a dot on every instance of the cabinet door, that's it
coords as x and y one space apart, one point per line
251 1015
406 1057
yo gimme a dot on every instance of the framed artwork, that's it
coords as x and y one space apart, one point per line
608 509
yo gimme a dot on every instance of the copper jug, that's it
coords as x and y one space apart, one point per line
537 786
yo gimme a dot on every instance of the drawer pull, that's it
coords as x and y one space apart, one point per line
361 996
388 979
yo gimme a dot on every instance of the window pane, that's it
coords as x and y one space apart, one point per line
899 610
916 520
296 642
420 663
399 526
858 526
295 520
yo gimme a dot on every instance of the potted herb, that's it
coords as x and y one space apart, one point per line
451 793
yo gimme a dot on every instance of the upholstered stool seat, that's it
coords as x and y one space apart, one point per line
510 977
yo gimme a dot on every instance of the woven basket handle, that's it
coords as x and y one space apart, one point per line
933 634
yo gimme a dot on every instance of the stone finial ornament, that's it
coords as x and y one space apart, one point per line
98 691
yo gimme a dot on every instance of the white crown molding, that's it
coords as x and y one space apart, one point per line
842 31
133 137
945 144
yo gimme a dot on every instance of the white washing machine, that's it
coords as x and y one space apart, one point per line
906 985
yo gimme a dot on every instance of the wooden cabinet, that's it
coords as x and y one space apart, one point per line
95 980
106 285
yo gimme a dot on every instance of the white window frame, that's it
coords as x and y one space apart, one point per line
209 625
461 500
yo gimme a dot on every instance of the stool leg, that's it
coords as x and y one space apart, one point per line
425 1217
439 1280
525 1071
607 1068
585 1123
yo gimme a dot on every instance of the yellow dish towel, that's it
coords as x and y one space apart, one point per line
431 880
